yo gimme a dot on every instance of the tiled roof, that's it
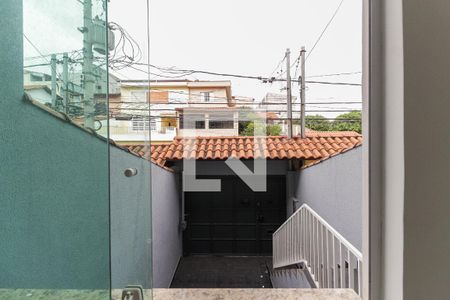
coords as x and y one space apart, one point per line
316 146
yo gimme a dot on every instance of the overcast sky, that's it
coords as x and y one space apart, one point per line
234 36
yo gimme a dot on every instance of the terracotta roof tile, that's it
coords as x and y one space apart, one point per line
316 146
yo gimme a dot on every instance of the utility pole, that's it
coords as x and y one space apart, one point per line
289 93
302 93
88 57
65 83
53 67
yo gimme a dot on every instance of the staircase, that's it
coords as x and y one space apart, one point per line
307 249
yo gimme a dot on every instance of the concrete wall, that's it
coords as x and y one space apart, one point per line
167 234
333 188
54 216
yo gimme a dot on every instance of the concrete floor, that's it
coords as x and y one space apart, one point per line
223 272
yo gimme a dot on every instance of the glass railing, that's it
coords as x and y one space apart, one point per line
76 218
65 58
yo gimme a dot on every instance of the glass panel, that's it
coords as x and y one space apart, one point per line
55 216
131 169
65 59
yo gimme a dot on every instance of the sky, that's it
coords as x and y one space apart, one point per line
235 36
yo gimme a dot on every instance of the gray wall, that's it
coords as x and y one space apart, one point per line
131 229
130 221
333 188
167 235
54 216
409 149
54 195
426 43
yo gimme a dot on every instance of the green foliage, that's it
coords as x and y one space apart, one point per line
271 130
348 122
318 123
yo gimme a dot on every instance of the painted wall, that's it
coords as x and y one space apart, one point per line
426 28
333 188
131 233
132 199
54 195
167 234
54 211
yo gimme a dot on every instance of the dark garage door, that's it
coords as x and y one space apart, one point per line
236 221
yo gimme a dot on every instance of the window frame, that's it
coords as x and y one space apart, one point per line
140 124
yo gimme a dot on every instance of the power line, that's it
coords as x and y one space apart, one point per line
40 53
325 29
279 64
236 100
240 104
261 78
272 119
274 111
333 83
334 74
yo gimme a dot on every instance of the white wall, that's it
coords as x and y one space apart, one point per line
167 234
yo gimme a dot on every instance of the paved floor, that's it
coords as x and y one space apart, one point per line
223 272
185 294
253 294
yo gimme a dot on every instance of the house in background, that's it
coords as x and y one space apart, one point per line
129 121
276 105
207 121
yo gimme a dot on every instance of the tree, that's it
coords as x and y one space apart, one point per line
318 123
271 130
348 122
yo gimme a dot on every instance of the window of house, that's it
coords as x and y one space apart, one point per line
192 121
206 96
221 121
141 124
152 124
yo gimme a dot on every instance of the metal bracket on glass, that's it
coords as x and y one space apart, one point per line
133 293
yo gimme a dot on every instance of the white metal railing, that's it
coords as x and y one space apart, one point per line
307 238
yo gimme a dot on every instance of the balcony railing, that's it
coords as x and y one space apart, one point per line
306 238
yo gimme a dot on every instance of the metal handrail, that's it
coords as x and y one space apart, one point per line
306 237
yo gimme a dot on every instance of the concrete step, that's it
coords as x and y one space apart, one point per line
290 278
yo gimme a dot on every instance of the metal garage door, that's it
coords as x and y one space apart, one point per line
235 221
